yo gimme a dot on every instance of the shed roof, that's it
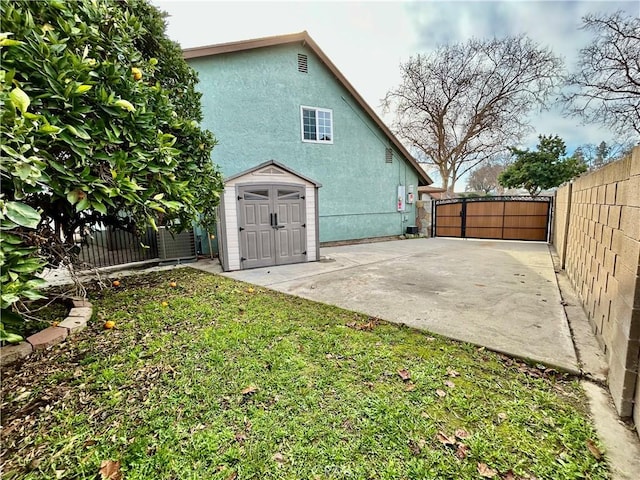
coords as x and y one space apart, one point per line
305 39
277 164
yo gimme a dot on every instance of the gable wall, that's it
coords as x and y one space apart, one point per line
251 101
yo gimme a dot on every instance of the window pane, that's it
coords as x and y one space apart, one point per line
309 124
288 194
256 195
324 126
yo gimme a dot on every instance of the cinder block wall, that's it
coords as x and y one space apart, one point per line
597 236
561 210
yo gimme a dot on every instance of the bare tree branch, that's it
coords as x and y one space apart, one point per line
461 104
606 83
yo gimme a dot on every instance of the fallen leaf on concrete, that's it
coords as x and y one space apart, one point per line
404 375
485 471
110 470
595 451
441 393
445 439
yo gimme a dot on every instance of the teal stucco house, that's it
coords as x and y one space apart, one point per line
306 161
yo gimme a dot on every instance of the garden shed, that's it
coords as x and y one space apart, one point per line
268 215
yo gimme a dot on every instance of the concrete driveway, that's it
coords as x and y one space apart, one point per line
501 295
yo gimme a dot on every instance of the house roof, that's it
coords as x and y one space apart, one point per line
305 39
434 192
277 164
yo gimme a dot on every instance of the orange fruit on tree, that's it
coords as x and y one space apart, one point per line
137 73
109 324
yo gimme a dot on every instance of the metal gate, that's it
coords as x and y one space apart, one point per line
501 218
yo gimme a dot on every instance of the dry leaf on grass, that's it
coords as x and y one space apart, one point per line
452 373
278 457
595 451
249 390
404 374
409 387
450 384
441 393
485 471
462 434
462 451
110 470
417 446
445 439
233 476
509 475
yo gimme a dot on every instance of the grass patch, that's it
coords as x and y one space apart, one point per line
230 381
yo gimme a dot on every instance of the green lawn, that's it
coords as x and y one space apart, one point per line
231 381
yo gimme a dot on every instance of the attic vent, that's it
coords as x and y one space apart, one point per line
302 63
388 155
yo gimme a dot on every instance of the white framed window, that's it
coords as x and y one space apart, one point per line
316 124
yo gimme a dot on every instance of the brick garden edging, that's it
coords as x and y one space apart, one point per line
76 321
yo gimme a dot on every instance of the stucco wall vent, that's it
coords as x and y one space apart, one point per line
302 63
388 155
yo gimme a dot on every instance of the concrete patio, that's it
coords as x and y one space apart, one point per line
501 295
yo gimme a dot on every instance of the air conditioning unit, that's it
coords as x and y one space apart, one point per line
176 246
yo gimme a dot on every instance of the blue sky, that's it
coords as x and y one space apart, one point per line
368 40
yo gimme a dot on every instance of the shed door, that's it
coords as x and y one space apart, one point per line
272 225
256 228
290 225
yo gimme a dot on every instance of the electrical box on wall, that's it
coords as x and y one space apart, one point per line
400 202
410 198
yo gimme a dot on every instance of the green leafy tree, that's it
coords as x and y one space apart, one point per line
543 168
99 124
